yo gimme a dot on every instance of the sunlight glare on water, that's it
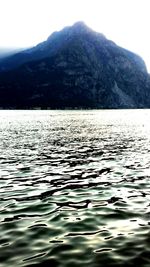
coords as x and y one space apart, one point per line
75 188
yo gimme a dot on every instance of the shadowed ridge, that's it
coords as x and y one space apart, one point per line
75 68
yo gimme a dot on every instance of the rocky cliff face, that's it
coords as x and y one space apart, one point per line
75 67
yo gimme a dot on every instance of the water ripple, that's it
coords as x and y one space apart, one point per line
74 188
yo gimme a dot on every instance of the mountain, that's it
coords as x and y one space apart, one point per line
8 52
74 68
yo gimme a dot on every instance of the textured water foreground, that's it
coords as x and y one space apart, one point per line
75 188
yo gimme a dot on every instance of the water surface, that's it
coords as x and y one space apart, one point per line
75 188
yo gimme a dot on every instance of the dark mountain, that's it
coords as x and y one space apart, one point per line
8 52
75 67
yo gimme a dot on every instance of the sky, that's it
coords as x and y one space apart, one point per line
25 23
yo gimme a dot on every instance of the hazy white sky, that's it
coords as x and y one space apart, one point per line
28 22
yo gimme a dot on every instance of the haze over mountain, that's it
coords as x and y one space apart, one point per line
6 52
75 67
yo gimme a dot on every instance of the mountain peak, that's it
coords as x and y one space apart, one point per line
78 27
80 24
75 67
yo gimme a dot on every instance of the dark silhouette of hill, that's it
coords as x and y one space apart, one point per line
74 68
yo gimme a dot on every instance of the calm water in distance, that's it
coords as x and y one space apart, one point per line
75 188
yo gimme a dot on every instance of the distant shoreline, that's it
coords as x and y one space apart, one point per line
133 108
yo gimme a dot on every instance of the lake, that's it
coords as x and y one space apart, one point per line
75 188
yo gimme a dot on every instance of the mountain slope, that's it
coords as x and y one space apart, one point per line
75 67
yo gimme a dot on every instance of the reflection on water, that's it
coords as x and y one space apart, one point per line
75 188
